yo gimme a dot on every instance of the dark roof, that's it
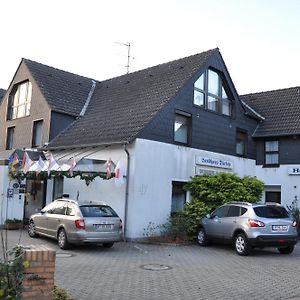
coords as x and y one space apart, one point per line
2 93
64 91
122 106
281 110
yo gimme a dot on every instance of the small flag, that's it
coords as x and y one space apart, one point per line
26 162
107 168
119 172
14 162
40 166
52 164
72 166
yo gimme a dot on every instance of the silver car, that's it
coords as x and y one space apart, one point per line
249 225
71 223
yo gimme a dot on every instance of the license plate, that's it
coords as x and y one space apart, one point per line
280 228
102 226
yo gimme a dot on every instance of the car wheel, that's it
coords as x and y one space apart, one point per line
241 244
202 237
107 245
286 250
62 239
31 230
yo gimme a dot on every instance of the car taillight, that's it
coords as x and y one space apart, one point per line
256 223
294 224
121 225
80 224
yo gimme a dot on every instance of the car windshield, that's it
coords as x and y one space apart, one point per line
97 211
271 212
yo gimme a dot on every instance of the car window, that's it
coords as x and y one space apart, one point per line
70 210
271 212
220 212
234 211
60 209
97 211
49 208
243 210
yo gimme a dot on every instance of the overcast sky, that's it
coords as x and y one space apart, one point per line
258 39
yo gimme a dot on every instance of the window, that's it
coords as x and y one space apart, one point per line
37 134
241 143
182 128
234 211
19 101
97 211
210 93
10 138
271 152
276 212
60 208
178 197
273 197
58 187
221 212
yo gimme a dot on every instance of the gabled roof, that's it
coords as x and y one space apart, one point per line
65 92
281 109
121 107
2 93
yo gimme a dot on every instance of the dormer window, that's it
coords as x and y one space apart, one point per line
19 101
210 93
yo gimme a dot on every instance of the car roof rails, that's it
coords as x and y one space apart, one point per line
239 203
272 203
67 200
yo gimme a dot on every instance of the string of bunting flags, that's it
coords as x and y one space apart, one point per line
26 168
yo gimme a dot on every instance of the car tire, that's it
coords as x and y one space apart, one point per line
202 237
31 230
286 250
107 245
62 239
241 244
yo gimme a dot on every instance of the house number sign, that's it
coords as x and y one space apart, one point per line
294 171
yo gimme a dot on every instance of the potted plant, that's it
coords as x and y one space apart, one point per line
12 224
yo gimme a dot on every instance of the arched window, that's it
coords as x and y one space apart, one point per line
209 93
19 101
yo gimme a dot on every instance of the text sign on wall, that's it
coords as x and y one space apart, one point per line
213 162
294 171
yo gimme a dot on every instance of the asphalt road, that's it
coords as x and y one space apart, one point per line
142 271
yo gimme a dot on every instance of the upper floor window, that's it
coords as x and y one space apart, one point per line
209 93
37 134
241 143
10 138
271 152
19 101
182 128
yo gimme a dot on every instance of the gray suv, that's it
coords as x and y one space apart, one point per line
71 223
249 225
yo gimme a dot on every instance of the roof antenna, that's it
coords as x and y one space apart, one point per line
128 45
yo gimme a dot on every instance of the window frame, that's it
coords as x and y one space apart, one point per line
34 133
270 153
10 135
12 107
241 132
219 97
188 117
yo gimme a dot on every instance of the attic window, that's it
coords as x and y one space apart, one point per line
209 93
19 101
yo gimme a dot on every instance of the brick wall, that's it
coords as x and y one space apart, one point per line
38 279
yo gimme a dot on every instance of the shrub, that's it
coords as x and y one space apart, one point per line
13 221
294 211
60 294
210 191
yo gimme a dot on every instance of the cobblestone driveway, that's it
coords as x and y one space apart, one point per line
216 272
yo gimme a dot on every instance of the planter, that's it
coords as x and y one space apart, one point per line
13 226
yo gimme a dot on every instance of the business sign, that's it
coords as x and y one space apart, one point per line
294 171
10 193
214 162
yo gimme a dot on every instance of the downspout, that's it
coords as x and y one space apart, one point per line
126 191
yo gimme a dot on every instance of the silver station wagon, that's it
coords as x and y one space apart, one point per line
71 223
248 226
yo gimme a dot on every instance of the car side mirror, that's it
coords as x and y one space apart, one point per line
208 216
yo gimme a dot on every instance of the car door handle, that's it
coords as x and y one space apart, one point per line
234 221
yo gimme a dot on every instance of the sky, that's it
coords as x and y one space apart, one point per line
259 39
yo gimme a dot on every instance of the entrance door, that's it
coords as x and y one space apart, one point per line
35 197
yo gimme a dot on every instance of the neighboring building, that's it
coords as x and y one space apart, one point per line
163 124
277 141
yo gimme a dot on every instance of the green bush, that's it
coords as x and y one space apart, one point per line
294 211
13 221
60 294
210 191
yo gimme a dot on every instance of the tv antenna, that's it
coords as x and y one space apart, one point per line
128 54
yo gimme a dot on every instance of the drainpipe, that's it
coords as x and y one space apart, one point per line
126 191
